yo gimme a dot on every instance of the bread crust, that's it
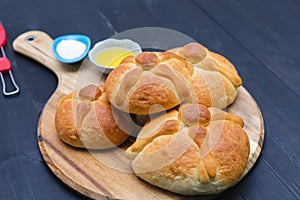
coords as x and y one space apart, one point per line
84 119
150 82
203 155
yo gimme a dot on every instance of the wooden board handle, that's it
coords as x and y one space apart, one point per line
38 46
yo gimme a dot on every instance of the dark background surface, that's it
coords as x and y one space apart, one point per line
260 37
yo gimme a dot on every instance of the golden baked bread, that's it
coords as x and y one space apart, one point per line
150 82
85 119
215 80
191 150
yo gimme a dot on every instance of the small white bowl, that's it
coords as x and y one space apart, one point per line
127 44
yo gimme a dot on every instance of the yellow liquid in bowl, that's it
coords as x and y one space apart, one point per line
112 57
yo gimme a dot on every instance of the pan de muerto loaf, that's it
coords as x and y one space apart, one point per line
215 79
150 82
191 150
85 119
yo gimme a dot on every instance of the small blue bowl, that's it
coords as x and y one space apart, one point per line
81 38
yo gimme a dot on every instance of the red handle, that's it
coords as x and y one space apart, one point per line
2 36
4 65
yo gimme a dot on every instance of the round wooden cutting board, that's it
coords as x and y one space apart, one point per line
106 174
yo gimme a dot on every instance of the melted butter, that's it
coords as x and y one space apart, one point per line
112 57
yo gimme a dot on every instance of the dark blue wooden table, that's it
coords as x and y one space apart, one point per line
261 38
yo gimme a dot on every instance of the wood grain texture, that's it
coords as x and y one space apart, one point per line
82 170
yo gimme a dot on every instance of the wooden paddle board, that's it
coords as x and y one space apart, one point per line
106 174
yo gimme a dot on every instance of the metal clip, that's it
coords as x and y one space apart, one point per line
4 86
7 67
